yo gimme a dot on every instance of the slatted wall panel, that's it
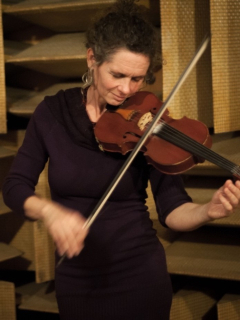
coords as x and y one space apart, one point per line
225 29
184 25
3 126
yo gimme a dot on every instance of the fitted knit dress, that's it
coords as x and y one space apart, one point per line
121 273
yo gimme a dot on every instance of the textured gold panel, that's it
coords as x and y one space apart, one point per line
209 252
184 25
225 28
3 122
191 304
7 301
229 307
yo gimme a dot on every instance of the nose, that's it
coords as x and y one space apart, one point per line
125 86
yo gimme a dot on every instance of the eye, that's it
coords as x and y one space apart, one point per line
137 79
117 75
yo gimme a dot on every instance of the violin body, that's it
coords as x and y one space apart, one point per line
120 130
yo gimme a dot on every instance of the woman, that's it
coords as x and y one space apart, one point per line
121 271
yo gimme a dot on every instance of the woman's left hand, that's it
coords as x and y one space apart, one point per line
225 200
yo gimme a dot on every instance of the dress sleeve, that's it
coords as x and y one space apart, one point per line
29 162
168 192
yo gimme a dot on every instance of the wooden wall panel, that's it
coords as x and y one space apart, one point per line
225 29
184 25
3 123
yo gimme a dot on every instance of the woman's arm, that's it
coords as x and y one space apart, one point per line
29 162
190 216
65 226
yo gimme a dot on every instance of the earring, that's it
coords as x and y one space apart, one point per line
87 78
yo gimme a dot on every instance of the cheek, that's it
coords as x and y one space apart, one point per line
105 83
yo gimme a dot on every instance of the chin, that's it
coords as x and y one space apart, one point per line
114 102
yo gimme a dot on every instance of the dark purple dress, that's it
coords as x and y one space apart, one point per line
121 272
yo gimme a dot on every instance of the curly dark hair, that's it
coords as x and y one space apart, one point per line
124 26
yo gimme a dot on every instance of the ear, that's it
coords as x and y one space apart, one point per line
90 57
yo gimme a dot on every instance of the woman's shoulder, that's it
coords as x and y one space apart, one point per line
53 105
42 119
42 113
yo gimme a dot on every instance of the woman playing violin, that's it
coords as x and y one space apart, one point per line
116 269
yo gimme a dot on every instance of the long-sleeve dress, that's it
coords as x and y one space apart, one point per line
121 272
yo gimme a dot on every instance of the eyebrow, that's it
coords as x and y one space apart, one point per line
124 75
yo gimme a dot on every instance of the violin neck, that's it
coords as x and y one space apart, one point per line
197 149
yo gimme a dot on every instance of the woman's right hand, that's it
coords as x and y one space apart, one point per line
65 225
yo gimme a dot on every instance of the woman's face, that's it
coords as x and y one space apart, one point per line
119 78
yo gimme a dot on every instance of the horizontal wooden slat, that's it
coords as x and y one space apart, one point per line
63 16
26 289
16 96
24 102
43 300
229 307
5 152
63 55
192 303
8 3
12 48
8 252
208 252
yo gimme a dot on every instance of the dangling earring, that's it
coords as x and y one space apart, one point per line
87 78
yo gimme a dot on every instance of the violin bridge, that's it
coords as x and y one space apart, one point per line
125 113
145 120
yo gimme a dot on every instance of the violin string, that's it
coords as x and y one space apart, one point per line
196 146
213 156
175 136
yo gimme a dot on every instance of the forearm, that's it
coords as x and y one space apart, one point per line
66 226
188 217
35 207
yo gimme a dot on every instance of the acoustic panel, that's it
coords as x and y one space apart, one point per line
225 28
7 301
3 121
184 26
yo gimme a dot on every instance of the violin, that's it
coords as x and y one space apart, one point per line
174 147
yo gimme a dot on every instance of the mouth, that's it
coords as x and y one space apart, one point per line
119 98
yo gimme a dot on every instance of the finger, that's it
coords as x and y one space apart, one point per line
76 236
78 241
237 184
62 245
233 186
226 204
64 240
232 193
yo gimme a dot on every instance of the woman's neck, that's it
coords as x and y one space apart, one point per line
94 107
